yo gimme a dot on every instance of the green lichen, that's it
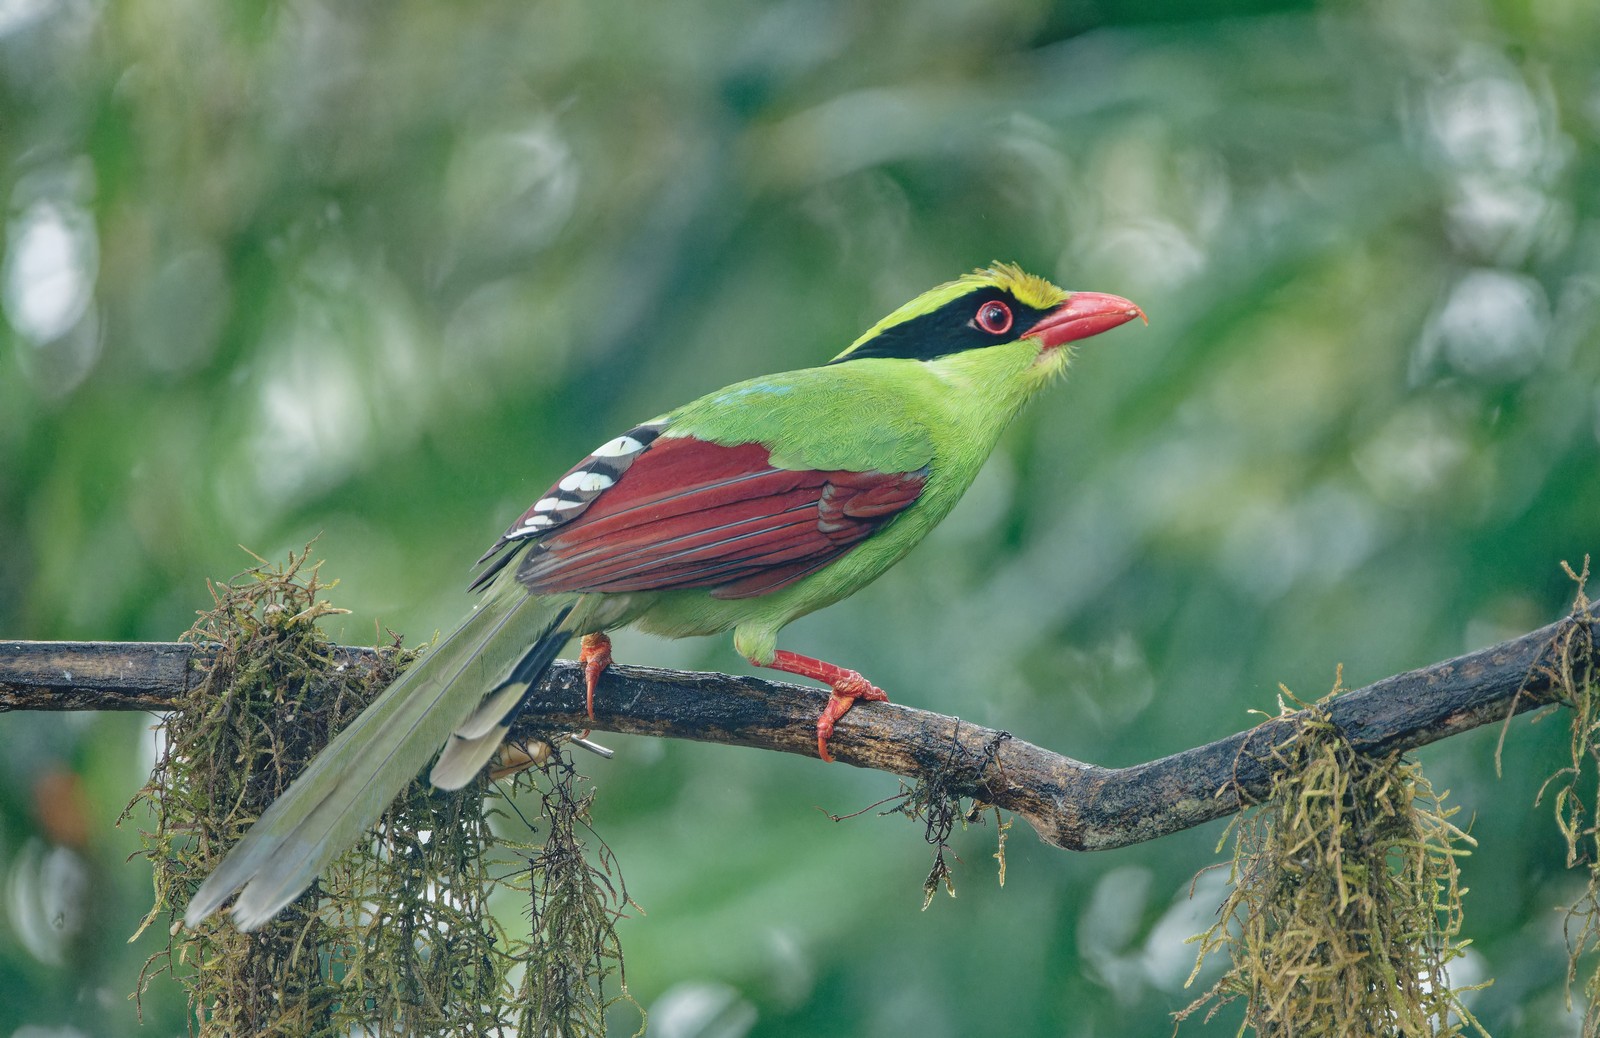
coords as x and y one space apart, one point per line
1345 909
397 937
571 898
1575 789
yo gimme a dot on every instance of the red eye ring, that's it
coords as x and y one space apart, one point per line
993 317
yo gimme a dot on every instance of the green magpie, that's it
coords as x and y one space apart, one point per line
743 510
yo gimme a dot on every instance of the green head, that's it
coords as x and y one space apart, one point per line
959 324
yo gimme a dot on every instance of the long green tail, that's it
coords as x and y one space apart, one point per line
351 782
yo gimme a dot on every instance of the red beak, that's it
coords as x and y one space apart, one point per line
1082 315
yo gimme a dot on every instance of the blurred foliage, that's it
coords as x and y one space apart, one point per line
1345 907
383 271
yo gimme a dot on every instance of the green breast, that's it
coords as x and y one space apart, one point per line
871 414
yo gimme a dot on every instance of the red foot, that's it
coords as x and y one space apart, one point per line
848 686
595 655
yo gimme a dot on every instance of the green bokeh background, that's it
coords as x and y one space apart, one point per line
380 272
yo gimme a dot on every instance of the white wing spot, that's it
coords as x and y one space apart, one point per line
584 482
537 522
555 504
618 447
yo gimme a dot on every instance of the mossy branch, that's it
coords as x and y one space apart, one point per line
1071 804
396 936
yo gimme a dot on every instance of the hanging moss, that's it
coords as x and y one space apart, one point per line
936 801
1345 910
1576 790
571 899
396 938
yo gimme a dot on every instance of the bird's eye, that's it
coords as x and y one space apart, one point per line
994 317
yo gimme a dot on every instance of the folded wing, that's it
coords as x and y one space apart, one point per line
688 513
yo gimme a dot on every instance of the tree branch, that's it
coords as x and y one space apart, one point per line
1071 804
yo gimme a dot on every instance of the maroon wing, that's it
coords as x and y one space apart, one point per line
687 513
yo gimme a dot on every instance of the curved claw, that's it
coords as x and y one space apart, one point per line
850 687
595 655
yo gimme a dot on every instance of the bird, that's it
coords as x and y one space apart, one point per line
743 510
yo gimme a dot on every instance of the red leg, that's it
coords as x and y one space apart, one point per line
595 655
848 686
